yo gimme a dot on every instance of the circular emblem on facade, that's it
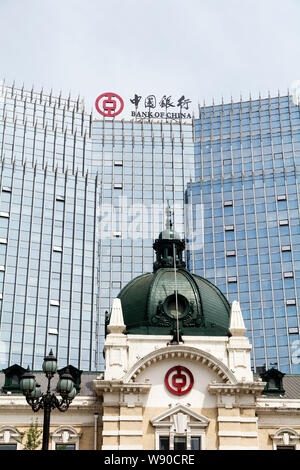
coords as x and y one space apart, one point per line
179 380
109 104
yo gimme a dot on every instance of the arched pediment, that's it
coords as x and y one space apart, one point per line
182 352
290 431
10 435
65 435
286 437
72 433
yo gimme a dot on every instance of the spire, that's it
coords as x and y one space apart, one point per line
237 326
169 232
164 246
168 219
116 323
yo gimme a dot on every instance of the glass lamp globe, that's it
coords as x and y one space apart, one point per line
36 393
50 364
72 393
27 382
65 383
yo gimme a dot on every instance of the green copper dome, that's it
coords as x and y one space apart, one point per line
150 306
169 234
171 300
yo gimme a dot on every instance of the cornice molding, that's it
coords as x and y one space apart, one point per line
254 388
19 402
103 386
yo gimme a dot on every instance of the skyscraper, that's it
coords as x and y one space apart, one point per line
141 166
67 180
247 161
48 248
82 200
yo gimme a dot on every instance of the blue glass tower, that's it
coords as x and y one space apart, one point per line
48 246
81 200
141 166
247 160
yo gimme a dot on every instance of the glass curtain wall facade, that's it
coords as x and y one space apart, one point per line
62 172
82 199
141 166
48 249
247 158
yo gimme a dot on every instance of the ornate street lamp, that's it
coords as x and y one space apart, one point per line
48 401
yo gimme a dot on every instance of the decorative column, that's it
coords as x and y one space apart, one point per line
122 407
122 414
236 402
236 423
238 346
116 348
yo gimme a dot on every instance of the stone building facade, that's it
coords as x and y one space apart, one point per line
177 375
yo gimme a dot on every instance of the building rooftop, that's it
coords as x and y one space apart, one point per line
291 384
86 385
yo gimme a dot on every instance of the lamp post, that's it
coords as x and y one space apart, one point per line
48 401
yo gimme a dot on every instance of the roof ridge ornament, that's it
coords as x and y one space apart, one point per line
237 325
116 323
169 244
168 219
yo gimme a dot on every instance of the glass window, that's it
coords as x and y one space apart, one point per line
285 448
164 443
195 443
179 443
8 446
65 447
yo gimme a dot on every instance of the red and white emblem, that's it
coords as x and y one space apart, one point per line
109 104
179 380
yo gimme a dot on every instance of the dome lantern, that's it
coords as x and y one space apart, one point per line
171 298
168 245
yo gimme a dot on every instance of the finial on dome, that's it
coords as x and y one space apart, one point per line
168 219
169 232
167 245
116 324
237 325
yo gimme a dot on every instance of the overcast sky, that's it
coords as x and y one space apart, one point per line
199 48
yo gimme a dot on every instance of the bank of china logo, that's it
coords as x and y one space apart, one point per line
163 108
179 380
109 104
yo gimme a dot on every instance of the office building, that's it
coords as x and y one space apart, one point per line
82 198
65 180
247 177
177 376
48 246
